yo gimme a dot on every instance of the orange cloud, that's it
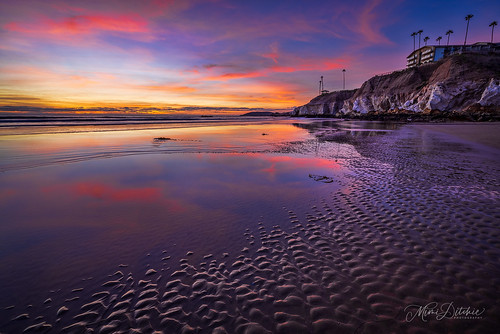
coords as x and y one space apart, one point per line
45 79
168 88
236 75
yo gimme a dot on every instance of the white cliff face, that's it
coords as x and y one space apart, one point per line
359 106
455 84
452 95
364 104
438 98
411 105
491 94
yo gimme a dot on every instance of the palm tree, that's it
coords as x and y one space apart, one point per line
467 18
419 34
439 40
492 25
426 38
449 32
413 34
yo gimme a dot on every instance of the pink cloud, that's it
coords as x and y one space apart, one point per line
149 8
274 54
290 65
121 23
370 23
366 21
82 25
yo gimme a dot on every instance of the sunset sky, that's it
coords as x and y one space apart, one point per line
164 55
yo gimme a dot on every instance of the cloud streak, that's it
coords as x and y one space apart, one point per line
218 53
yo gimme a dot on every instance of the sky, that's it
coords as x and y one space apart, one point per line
218 56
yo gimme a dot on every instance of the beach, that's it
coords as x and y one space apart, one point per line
485 134
266 226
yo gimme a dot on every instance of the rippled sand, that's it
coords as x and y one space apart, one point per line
415 220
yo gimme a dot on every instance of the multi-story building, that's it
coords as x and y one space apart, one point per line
431 53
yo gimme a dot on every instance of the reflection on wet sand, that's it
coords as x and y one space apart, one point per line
295 232
26 151
115 208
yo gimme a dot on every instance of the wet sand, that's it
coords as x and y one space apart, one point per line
411 223
487 134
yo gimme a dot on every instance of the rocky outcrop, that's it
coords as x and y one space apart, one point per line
455 84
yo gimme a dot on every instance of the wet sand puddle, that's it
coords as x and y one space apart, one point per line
411 221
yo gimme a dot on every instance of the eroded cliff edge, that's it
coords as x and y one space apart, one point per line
460 84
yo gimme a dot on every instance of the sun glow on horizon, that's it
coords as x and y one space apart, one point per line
169 55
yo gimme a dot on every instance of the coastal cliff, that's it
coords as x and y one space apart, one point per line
325 104
464 83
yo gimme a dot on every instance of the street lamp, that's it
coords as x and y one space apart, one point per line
343 77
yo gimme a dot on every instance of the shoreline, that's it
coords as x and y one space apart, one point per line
407 117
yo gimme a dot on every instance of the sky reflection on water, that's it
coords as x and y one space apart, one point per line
25 151
62 221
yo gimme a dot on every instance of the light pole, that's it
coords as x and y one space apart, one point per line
467 18
492 25
343 79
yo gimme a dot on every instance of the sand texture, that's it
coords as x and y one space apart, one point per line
487 134
414 221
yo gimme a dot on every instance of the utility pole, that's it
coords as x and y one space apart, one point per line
343 79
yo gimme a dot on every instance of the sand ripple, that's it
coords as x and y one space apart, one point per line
404 228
